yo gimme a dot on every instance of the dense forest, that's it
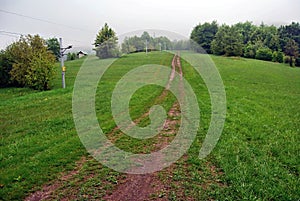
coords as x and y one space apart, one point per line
270 43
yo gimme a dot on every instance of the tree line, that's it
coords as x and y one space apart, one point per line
106 43
264 42
29 62
138 44
270 43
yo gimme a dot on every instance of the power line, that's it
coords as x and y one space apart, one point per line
9 32
43 20
11 35
14 34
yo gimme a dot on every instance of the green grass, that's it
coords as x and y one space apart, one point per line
38 138
257 157
259 149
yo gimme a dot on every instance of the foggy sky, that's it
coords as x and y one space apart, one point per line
78 21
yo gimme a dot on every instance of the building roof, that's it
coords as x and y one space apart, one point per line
81 52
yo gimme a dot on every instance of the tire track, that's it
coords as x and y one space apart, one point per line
133 187
142 187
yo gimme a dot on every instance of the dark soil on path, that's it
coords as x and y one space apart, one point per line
131 187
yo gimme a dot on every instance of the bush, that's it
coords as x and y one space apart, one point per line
264 54
249 51
274 56
297 62
277 57
40 72
280 57
286 59
32 63
5 68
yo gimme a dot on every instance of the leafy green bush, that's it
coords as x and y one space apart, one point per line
297 62
277 56
280 56
32 63
286 59
264 54
40 72
249 51
5 68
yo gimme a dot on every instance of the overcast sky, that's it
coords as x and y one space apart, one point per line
78 21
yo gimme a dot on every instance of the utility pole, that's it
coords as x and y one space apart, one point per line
146 47
63 68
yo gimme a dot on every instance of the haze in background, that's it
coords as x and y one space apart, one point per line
78 21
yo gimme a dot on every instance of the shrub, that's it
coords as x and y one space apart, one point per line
40 72
277 56
264 54
280 57
5 68
286 59
249 51
33 64
297 62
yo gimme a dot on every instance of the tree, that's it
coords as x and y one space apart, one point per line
138 44
163 42
228 41
218 44
233 43
287 32
54 47
271 38
246 29
204 35
183 44
251 48
71 56
6 62
146 36
33 64
291 49
106 43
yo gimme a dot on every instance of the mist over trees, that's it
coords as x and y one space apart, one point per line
245 39
138 44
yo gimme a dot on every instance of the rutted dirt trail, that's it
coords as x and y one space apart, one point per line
141 187
133 187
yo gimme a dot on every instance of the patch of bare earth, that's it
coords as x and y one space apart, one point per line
149 186
132 187
47 190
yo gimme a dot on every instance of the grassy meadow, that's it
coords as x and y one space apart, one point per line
256 158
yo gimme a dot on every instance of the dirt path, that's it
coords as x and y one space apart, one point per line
133 187
142 187
47 190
